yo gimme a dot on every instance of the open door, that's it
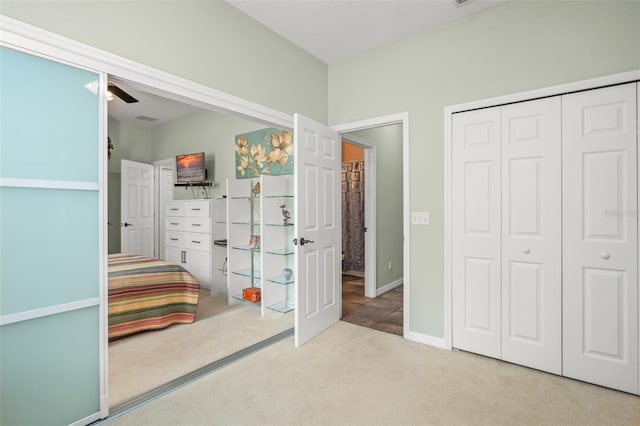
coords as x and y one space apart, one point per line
137 227
318 225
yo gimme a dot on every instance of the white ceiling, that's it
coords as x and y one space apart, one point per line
331 30
335 30
148 105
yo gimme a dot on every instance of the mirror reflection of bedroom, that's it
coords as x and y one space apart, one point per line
172 306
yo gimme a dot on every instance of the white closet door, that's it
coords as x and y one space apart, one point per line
600 287
476 231
531 234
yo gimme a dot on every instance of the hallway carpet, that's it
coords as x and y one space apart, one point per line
352 375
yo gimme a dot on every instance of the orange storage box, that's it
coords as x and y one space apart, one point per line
251 294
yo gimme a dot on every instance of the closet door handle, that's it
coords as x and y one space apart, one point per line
604 255
526 250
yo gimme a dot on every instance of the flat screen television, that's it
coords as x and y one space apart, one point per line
190 168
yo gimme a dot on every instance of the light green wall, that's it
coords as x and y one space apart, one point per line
208 42
509 48
131 142
388 142
208 131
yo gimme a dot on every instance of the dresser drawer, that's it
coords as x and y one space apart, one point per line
176 239
176 209
198 225
199 241
176 223
198 208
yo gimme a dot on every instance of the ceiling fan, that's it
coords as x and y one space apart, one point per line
116 91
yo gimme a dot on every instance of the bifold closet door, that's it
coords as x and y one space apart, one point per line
600 282
531 234
476 231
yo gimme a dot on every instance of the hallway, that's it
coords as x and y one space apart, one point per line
384 313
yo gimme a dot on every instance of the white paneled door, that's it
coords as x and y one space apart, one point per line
600 287
531 234
476 231
137 226
317 219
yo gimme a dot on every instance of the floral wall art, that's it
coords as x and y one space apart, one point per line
264 152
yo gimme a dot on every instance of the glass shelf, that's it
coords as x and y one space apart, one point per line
278 224
282 307
242 299
245 223
281 252
246 248
245 198
247 273
281 280
279 196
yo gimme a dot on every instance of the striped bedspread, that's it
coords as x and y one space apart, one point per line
148 294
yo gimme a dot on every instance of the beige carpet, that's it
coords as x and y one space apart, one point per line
144 361
351 375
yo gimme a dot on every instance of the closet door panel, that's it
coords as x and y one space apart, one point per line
476 231
600 252
531 234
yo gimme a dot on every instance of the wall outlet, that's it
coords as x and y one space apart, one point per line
390 265
419 218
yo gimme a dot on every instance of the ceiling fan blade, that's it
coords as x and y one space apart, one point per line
121 94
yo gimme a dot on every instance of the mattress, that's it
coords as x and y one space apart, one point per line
148 294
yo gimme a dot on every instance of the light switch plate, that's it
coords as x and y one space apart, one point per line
419 218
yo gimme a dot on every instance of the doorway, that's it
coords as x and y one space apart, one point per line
372 285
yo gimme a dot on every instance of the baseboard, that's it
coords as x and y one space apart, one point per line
388 287
438 342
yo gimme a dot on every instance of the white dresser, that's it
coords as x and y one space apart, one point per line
188 237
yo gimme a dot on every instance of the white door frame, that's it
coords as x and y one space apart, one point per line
399 118
486 103
370 188
159 165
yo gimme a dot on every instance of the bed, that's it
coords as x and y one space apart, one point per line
148 294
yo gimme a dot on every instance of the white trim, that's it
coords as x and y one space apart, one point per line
49 310
103 333
48 184
370 196
426 339
620 78
17 34
386 120
388 287
561 89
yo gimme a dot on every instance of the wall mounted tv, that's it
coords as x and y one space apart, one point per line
190 168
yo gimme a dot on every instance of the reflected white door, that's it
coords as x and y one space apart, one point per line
600 287
137 229
476 231
318 227
531 234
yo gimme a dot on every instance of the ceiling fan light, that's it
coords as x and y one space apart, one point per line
92 86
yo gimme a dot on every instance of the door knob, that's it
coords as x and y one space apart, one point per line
128 224
303 241
526 250
604 255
